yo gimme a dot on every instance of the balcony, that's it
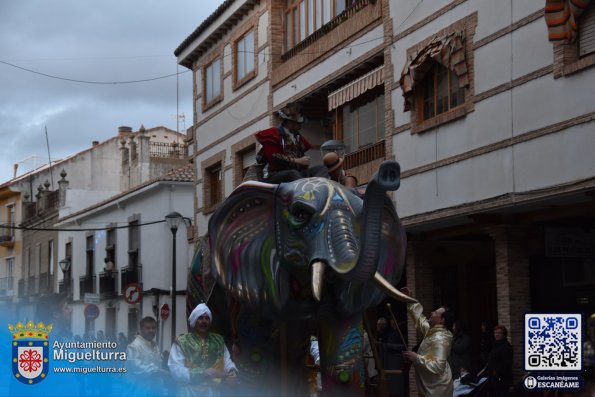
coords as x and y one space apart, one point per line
7 235
107 284
130 274
6 286
45 283
32 285
365 155
87 284
168 150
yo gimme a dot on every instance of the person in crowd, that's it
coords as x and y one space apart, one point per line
283 152
486 341
432 372
199 360
334 164
100 336
54 309
122 341
144 360
460 354
499 365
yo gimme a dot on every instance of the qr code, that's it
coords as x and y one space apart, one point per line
553 342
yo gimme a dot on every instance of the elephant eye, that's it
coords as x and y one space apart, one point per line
300 214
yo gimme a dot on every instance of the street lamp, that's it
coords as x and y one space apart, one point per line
65 267
173 221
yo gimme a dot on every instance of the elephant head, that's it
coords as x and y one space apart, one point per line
295 244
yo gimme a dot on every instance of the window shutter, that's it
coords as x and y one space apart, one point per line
248 158
586 43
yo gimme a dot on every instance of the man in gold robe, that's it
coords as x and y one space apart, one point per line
432 372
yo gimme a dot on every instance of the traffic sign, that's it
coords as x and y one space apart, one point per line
132 293
164 312
91 311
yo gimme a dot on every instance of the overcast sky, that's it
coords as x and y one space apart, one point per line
96 41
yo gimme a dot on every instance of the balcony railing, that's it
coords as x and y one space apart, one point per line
7 234
168 150
365 155
324 29
107 284
32 285
45 283
130 275
87 284
6 286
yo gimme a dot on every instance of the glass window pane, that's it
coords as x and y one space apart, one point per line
241 54
288 32
441 89
349 128
454 88
340 6
249 48
216 78
319 13
310 17
209 82
302 20
296 37
367 123
326 13
380 118
428 96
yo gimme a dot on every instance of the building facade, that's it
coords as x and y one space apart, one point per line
487 108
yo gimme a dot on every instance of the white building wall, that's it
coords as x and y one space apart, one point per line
558 158
155 257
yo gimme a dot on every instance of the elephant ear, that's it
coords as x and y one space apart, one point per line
243 251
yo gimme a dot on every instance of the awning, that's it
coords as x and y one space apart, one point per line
355 88
561 18
448 51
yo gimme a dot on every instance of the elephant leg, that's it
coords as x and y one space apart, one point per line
341 356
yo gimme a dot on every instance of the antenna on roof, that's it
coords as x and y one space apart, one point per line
47 141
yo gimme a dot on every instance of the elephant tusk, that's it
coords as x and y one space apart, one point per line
391 291
317 278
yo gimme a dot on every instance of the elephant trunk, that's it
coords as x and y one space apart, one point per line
387 178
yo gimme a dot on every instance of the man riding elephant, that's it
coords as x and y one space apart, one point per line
283 153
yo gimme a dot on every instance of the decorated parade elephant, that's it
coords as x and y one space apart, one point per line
283 262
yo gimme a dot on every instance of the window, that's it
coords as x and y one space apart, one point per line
363 120
437 78
304 17
212 82
9 273
110 248
214 184
586 35
133 244
90 255
244 58
439 92
51 255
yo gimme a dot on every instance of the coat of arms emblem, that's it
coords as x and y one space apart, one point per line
30 351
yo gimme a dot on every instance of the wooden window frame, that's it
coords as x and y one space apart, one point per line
567 59
420 94
467 25
206 104
294 7
238 82
216 162
371 95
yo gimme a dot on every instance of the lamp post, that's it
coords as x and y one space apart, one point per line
65 267
173 221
